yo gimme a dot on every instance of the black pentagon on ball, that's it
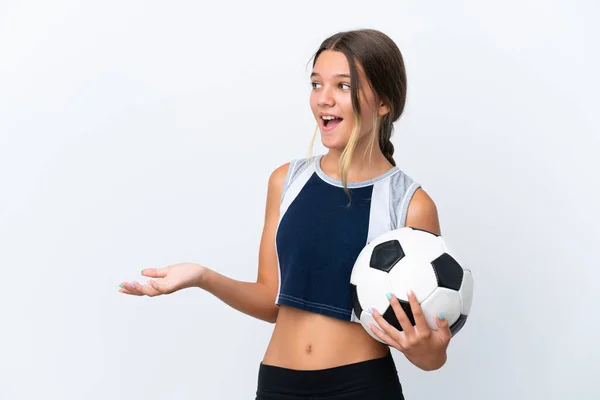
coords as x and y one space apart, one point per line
457 326
385 255
448 271
390 316
355 303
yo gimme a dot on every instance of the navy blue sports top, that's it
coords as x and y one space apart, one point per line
320 232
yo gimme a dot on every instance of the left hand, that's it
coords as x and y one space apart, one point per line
415 341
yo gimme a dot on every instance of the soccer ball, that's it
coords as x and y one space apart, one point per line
409 258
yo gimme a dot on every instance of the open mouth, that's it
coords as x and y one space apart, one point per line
330 121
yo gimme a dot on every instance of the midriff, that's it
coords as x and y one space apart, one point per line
305 340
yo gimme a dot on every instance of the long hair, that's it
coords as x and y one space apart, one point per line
383 65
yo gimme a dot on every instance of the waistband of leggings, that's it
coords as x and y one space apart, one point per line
348 377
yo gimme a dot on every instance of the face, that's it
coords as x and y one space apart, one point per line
331 100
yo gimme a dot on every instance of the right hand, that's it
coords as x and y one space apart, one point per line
168 280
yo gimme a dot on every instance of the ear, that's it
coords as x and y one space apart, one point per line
383 109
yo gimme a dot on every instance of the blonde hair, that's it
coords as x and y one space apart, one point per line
348 152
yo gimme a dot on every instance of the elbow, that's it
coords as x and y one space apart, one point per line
272 315
273 309
266 313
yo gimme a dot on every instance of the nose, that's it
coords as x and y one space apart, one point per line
325 98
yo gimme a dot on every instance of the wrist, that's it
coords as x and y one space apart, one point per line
202 277
430 361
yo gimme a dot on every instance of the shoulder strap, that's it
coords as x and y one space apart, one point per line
297 166
402 189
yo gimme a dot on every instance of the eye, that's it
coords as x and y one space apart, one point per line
313 84
345 84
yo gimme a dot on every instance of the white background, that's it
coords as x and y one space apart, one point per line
139 134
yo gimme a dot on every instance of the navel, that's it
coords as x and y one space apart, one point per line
308 349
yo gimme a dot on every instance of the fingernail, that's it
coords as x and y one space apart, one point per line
122 287
409 292
441 316
373 310
132 286
388 295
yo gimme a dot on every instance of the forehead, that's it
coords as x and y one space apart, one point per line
332 63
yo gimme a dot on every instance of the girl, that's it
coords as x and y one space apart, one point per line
320 212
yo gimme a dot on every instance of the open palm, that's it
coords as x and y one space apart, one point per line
166 280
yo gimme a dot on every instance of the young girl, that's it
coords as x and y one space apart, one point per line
320 212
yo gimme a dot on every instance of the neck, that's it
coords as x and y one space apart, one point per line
363 166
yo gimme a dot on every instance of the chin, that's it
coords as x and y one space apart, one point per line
333 145
333 142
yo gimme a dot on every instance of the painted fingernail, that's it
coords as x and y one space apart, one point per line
132 286
122 287
373 310
441 316
388 295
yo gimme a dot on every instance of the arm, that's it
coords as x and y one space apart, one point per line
256 299
422 213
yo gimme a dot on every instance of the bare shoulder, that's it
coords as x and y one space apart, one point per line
278 175
422 212
275 190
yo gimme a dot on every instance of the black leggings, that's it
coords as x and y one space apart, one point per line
367 380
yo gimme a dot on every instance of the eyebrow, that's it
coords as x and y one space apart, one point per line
335 76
